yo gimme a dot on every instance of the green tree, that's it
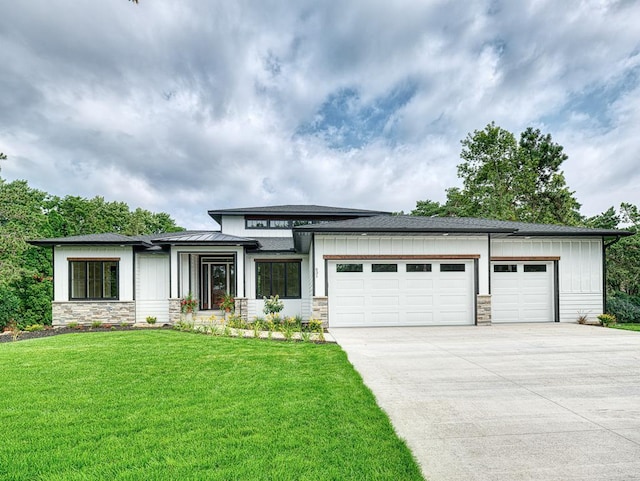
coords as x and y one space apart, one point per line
509 179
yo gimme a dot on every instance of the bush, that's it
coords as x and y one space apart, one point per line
9 307
607 319
624 307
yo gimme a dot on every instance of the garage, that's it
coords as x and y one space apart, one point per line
522 291
367 293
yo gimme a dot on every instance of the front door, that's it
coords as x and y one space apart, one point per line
217 279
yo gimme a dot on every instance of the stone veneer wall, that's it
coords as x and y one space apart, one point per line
86 312
320 309
242 308
175 313
483 306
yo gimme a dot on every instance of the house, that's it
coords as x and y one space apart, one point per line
347 267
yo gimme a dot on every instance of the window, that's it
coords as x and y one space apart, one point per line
93 279
279 224
257 224
451 267
280 278
505 268
418 267
384 267
535 268
349 268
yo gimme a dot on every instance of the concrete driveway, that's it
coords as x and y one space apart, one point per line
508 402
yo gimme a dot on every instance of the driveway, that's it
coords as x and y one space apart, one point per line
508 402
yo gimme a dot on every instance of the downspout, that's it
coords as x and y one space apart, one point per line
489 260
604 270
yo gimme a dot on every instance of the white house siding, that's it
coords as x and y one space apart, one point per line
399 245
152 287
61 263
579 269
292 307
235 225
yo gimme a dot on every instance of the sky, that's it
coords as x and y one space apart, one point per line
191 105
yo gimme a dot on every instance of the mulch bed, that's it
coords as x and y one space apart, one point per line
55 331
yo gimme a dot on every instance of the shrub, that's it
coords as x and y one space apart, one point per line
34 328
607 319
9 306
96 324
315 325
273 305
624 307
151 319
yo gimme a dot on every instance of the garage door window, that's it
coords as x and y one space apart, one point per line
418 267
348 267
505 268
452 267
535 268
384 267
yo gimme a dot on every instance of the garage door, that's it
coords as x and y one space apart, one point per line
522 292
402 293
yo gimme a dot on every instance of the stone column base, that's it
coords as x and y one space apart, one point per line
242 308
483 310
87 312
320 309
175 311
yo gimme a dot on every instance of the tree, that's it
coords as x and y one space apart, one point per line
507 179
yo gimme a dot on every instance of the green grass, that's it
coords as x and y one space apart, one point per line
627 326
156 405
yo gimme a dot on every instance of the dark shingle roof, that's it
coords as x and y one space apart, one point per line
108 238
294 211
183 237
275 244
408 223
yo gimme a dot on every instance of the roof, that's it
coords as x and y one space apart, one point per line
422 224
275 244
182 237
294 211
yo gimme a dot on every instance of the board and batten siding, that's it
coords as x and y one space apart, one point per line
152 287
61 265
372 245
579 270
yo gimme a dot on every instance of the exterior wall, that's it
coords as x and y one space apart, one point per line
152 287
61 265
399 245
292 307
86 312
579 270
234 225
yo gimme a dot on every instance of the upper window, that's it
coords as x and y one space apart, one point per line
384 267
280 278
418 267
451 267
257 224
279 223
505 268
94 279
348 267
535 268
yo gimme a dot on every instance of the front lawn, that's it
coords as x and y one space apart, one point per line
156 405
630 326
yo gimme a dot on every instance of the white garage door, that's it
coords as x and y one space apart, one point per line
522 292
402 293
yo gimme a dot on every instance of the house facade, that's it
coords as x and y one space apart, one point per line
346 267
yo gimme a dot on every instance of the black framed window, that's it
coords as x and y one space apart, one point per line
93 279
452 267
535 268
280 278
384 267
505 268
418 267
348 267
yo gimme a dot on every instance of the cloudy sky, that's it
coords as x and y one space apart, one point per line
187 105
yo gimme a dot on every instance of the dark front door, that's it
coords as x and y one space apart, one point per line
217 279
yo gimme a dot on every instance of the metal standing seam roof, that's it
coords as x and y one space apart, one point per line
182 237
294 210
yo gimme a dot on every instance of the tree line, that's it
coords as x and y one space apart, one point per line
26 286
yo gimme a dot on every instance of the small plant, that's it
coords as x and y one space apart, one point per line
14 328
151 320
96 324
74 325
607 320
315 325
188 304
273 305
183 326
583 317
305 336
34 328
256 326
236 322
124 324
228 303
